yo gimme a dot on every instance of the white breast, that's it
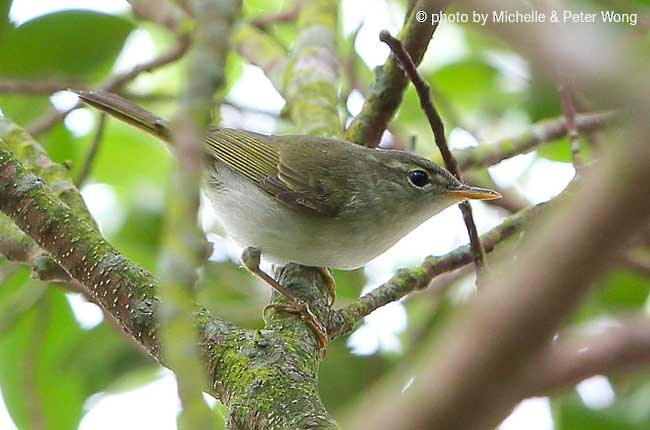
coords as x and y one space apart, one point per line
252 217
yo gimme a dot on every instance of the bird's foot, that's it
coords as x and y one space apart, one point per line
331 284
251 261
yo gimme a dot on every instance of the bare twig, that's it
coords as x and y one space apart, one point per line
262 50
438 129
568 106
87 166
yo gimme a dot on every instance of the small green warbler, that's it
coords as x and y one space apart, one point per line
314 201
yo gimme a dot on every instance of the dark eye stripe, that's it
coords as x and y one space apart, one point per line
418 178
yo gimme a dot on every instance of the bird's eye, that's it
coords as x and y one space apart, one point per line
418 178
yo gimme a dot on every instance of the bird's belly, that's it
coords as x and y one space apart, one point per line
253 218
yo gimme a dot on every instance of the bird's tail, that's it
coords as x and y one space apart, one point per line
127 111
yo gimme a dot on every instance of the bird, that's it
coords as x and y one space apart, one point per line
316 201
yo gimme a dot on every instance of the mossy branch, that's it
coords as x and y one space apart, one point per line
385 94
407 281
260 49
267 378
487 154
15 244
312 73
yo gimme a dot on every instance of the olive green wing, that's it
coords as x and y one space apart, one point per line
259 158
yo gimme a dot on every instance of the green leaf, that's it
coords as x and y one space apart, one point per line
571 414
39 389
543 99
624 289
344 375
560 150
469 82
23 108
62 146
5 24
72 45
104 355
556 151
139 237
50 365
618 290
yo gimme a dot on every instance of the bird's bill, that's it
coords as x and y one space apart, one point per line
466 192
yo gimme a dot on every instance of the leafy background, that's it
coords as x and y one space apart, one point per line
59 359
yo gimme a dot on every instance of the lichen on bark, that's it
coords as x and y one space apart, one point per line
260 375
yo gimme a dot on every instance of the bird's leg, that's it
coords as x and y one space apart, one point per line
251 260
331 284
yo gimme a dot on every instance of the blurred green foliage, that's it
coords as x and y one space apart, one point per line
50 365
75 45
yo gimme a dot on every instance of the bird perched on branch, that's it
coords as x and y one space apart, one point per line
314 201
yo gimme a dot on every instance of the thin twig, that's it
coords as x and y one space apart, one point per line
568 106
54 116
87 167
438 128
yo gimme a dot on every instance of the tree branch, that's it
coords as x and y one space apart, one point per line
87 166
267 378
262 50
409 280
385 94
122 288
184 244
576 358
312 72
487 154
568 106
15 244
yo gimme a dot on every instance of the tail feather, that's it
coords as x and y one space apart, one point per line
127 111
